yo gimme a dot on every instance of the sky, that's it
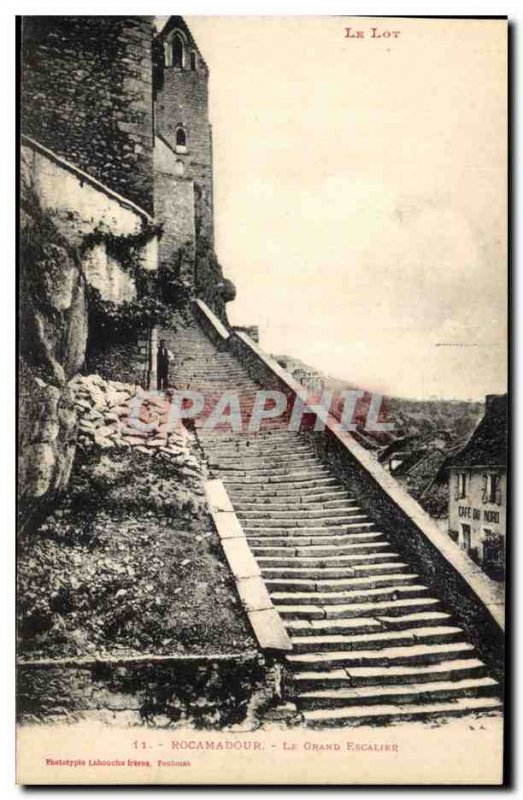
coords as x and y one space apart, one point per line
360 195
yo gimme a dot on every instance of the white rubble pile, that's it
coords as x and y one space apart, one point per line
103 413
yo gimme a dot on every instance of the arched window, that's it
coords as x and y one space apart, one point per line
179 167
168 53
178 51
193 61
181 138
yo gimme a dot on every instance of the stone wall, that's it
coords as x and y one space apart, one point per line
182 100
201 692
87 95
121 361
174 208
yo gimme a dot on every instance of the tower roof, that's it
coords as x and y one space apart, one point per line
178 23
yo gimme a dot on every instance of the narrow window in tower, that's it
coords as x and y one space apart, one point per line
168 54
181 141
178 51
193 61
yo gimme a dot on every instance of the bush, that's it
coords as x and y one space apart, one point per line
109 321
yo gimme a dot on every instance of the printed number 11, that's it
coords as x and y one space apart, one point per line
137 745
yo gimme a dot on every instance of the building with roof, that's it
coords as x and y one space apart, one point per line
477 477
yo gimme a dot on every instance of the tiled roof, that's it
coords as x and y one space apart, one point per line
487 446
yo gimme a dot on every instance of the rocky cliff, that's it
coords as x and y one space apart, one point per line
64 220
53 336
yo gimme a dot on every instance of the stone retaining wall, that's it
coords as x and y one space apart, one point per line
199 691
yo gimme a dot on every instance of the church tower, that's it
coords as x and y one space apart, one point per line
183 194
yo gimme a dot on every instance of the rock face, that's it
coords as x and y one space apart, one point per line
53 336
63 221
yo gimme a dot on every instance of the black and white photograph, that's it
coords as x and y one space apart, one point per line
262 399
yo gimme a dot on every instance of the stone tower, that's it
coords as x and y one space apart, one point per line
86 95
183 194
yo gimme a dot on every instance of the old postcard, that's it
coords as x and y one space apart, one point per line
262 400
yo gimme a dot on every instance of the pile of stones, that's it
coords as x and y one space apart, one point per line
116 414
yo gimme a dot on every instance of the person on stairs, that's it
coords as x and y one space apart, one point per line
164 357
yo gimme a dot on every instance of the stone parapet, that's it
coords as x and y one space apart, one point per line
263 616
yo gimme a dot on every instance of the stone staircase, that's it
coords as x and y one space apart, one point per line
371 641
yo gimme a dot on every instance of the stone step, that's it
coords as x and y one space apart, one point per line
383 713
273 437
322 627
305 562
344 512
338 600
303 538
202 422
381 639
337 584
284 468
453 670
413 693
254 451
260 442
210 371
317 523
235 384
305 528
355 610
298 470
248 459
311 504
215 368
291 552
271 474
307 494
309 612
300 482
327 573
416 654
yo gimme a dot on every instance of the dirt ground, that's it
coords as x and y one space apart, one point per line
128 563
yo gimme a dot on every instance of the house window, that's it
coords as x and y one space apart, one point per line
193 61
461 490
492 488
178 51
